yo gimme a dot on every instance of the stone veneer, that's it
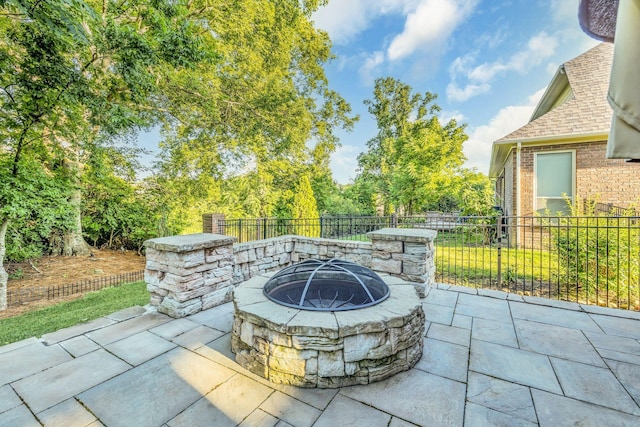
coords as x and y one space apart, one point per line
189 273
327 349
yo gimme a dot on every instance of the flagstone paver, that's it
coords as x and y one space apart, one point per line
494 332
450 334
54 385
444 359
438 313
397 422
78 346
155 392
629 376
290 410
593 384
28 360
462 321
489 359
348 412
556 341
440 297
127 328
174 328
502 396
18 344
484 308
554 316
197 337
76 331
514 365
422 398
140 347
18 416
617 326
480 416
66 414
220 317
8 398
614 343
559 411
259 418
227 405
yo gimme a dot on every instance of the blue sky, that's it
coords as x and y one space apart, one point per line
488 61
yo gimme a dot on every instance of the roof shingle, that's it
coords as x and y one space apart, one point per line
588 111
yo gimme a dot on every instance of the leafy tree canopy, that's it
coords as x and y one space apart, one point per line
414 161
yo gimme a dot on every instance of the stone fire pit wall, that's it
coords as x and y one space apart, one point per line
189 273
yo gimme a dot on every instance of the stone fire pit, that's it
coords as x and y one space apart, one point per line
327 349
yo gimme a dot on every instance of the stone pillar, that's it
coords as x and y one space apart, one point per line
189 273
407 253
210 223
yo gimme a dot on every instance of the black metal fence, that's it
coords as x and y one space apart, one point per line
42 293
589 259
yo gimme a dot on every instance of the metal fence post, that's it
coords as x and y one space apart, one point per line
499 232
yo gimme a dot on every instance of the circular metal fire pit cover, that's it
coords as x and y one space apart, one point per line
326 285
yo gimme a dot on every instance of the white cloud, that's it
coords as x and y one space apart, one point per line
477 148
369 69
429 24
563 11
345 19
477 79
344 162
445 116
456 93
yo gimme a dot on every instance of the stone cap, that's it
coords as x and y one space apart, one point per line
414 235
189 242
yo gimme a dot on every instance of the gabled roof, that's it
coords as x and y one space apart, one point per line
573 108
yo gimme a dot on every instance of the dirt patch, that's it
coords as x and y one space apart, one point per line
59 270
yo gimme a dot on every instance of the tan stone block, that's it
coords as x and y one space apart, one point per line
178 309
307 381
192 294
316 343
217 297
246 333
392 266
175 283
330 364
357 347
380 373
387 246
359 378
295 367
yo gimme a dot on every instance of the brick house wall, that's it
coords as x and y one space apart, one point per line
609 180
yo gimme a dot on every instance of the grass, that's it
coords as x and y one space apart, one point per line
91 306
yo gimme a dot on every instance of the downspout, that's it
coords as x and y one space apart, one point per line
518 191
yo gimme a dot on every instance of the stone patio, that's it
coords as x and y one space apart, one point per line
489 358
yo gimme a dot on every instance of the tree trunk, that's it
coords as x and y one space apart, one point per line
4 276
72 242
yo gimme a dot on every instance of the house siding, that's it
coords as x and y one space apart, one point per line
607 180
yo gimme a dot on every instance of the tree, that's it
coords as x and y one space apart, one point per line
413 156
304 209
264 112
75 74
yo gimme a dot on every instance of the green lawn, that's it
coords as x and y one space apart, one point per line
93 305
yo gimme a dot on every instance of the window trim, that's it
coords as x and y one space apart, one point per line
535 174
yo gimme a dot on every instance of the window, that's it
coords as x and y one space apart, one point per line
554 181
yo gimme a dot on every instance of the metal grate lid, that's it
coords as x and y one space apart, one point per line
326 285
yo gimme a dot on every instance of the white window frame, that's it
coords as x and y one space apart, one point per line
535 175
